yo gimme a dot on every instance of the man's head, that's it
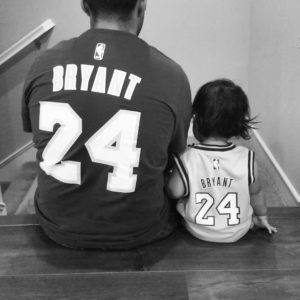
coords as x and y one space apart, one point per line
124 12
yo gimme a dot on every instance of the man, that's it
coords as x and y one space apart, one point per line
106 111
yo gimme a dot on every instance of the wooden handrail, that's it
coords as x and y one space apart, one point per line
15 154
26 40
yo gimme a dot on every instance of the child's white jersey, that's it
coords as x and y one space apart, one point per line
216 206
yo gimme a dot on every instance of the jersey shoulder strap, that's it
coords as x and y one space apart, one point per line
181 162
250 162
251 176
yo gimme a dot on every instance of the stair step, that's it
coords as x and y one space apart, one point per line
27 204
18 188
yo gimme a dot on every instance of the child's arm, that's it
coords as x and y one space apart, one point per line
175 186
258 203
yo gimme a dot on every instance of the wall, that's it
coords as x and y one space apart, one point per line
209 38
274 77
17 18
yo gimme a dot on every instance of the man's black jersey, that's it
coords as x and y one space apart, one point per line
106 111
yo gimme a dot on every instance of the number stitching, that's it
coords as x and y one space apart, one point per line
236 206
66 135
100 150
202 215
206 206
121 128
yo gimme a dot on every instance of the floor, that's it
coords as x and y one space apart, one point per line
259 266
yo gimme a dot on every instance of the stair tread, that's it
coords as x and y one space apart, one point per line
18 188
31 252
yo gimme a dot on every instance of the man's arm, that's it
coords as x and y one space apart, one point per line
175 187
183 115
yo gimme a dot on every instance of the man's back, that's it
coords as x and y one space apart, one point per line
105 110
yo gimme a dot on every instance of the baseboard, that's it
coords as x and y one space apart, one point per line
277 166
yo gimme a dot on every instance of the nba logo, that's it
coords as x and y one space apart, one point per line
216 164
99 52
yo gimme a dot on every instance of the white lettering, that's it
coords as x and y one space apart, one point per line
58 80
71 77
86 72
66 78
116 83
134 81
99 85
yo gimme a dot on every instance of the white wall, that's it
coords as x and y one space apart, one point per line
17 17
209 38
274 79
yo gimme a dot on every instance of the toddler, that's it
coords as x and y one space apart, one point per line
217 181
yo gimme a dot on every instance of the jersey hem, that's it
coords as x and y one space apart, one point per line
232 239
92 241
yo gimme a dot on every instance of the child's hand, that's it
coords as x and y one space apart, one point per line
262 222
3 211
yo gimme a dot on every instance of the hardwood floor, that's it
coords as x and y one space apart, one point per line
129 286
259 266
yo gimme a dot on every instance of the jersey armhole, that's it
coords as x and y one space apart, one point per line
183 174
251 176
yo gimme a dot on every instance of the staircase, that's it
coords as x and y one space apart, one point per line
16 178
18 189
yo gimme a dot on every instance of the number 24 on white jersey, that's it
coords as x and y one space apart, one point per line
121 129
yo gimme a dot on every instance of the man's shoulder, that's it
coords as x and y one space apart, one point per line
57 51
61 47
166 63
50 57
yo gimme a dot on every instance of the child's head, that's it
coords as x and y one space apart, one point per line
221 110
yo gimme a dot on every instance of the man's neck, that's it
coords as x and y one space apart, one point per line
113 24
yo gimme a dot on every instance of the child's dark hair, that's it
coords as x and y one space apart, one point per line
221 109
